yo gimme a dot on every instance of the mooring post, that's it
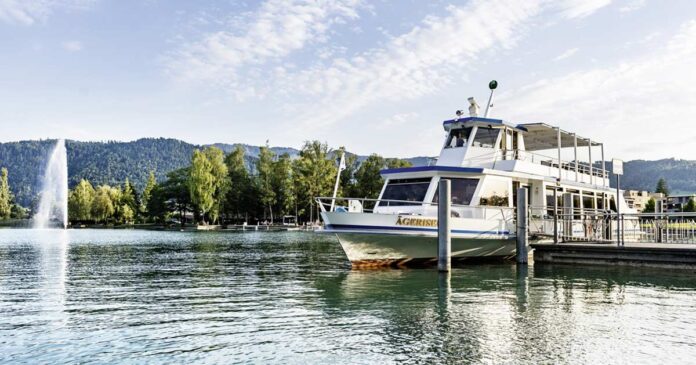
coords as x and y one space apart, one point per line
568 215
555 215
444 244
522 202
658 221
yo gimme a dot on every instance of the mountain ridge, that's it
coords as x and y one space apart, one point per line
111 162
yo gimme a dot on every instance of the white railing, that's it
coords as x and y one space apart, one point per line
582 167
605 226
409 207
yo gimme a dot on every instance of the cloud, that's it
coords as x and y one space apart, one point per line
434 54
396 120
277 29
566 54
629 104
28 12
575 9
72 46
633 6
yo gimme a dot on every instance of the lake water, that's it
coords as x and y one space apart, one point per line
122 296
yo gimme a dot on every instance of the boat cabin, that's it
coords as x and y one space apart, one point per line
487 160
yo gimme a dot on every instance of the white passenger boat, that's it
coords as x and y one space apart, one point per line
487 161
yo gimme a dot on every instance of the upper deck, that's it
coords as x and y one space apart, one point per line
535 148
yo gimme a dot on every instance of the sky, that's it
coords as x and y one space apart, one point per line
373 76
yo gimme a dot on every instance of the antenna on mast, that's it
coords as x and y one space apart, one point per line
491 85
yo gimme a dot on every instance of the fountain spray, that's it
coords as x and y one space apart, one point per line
54 192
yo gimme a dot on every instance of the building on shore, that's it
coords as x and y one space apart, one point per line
677 202
637 199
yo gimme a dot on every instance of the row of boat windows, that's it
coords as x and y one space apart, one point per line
413 191
587 200
460 137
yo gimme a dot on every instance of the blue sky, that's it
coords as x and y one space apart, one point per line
374 76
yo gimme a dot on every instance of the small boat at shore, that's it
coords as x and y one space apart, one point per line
487 160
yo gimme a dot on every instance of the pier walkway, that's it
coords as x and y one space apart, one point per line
662 255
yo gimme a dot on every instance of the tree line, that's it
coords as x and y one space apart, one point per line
219 188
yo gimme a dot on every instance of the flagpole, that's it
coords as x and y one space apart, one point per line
341 167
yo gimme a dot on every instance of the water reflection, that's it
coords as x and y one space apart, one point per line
163 297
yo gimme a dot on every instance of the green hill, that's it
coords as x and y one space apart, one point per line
112 162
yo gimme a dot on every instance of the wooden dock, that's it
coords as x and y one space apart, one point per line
660 255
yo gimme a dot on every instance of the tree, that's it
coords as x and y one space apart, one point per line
368 179
314 175
127 214
147 193
157 207
649 206
102 205
175 194
80 201
396 163
218 170
662 187
5 195
201 183
264 168
282 185
129 197
690 206
237 197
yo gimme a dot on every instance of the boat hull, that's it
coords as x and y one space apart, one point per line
376 250
373 240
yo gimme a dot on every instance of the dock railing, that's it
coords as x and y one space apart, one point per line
598 226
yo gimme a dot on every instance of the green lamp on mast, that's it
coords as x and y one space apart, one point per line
491 85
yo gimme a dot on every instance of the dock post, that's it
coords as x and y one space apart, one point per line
444 244
555 215
522 202
658 221
568 215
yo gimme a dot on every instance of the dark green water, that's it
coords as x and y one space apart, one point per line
100 296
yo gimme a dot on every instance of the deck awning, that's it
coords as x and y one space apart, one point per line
541 136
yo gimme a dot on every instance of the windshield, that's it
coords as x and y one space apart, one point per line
458 137
409 190
462 190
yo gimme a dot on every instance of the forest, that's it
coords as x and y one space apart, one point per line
216 188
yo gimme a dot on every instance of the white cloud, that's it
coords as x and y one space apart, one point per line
72 46
28 12
276 30
633 5
434 54
396 120
638 107
573 9
566 54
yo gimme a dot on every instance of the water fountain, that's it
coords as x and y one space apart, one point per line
54 191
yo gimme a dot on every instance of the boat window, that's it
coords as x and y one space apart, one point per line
549 200
486 137
495 193
588 200
407 190
458 137
462 191
612 204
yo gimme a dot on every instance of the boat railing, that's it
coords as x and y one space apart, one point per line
410 207
536 158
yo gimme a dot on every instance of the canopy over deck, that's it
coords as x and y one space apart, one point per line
541 136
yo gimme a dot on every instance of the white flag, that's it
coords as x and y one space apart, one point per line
342 163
